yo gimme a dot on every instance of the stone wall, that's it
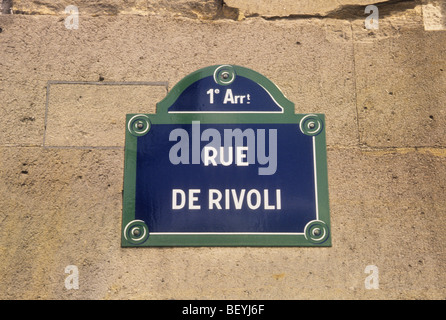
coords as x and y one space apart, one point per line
65 92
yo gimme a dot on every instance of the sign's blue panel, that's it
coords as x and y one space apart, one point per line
266 186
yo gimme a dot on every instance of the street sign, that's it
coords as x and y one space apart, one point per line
225 161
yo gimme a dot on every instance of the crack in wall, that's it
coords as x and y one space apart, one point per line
217 10
352 11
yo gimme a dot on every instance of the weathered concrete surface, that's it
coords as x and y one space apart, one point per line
313 61
404 107
202 9
214 9
70 215
95 112
386 155
193 8
295 7
434 13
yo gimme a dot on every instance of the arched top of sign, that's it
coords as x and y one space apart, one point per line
225 89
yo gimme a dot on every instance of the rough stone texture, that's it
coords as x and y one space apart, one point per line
95 7
215 9
295 7
386 155
313 61
95 112
70 215
405 107
434 13
203 9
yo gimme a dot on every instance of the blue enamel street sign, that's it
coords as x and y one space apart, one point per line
225 161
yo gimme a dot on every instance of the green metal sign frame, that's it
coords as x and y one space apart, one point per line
134 233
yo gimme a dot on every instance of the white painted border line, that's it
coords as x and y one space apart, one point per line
94 83
315 178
